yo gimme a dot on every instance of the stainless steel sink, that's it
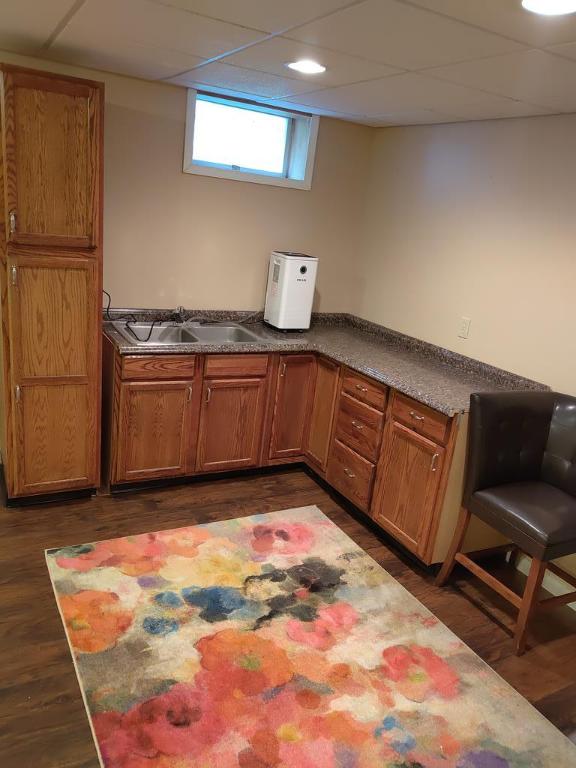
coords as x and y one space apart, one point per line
224 334
161 333
143 333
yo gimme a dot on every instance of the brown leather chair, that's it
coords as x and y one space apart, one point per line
521 480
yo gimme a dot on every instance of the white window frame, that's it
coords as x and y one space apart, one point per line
299 155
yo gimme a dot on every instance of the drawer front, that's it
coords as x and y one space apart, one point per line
350 474
426 421
363 389
235 365
158 367
359 426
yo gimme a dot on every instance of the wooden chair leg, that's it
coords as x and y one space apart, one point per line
455 547
529 602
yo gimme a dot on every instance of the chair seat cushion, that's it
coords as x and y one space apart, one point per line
539 518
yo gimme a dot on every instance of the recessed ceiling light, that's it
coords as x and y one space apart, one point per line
307 67
550 7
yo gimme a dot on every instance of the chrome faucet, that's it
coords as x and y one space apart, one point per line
179 314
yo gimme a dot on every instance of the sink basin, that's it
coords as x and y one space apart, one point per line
161 333
177 333
224 334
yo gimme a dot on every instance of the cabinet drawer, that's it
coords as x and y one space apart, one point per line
363 389
350 474
235 365
359 426
422 419
158 367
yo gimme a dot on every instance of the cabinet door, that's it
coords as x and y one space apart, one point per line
407 486
52 142
294 388
231 424
154 429
322 413
54 315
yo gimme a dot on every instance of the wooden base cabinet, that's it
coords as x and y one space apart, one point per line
357 435
231 424
155 430
293 399
407 486
317 444
181 415
51 279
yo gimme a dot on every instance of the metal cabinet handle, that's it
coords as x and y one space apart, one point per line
208 394
348 472
188 394
14 275
12 222
283 369
357 425
361 388
434 462
416 416
17 393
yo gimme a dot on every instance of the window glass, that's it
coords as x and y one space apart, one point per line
236 137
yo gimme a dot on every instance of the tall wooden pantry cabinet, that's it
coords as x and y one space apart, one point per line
50 280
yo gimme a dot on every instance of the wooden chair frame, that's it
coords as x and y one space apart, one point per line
527 603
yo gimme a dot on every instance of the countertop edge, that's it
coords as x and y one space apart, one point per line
292 345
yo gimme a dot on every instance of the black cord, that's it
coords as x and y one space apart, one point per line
108 303
131 317
133 332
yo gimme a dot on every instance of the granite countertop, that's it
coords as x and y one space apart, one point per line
434 376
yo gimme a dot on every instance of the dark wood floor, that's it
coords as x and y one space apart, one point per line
42 719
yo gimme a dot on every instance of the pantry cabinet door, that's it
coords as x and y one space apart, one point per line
407 484
52 142
54 364
231 424
154 429
294 390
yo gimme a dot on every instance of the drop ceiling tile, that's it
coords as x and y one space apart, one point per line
533 76
401 35
398 93
497 109
25 25
146 23
273 55
245 81
267 15
313 110
112 54
409 117
507 17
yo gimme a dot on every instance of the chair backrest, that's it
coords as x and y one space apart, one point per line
559 462
507 438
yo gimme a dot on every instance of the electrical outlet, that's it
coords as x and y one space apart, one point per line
464 327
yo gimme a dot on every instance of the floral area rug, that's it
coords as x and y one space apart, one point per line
274 641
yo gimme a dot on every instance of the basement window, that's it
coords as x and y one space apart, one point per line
239 140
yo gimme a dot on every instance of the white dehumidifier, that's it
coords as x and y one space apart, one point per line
290 290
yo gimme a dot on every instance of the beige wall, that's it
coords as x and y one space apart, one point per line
477 219
175 238
172 238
